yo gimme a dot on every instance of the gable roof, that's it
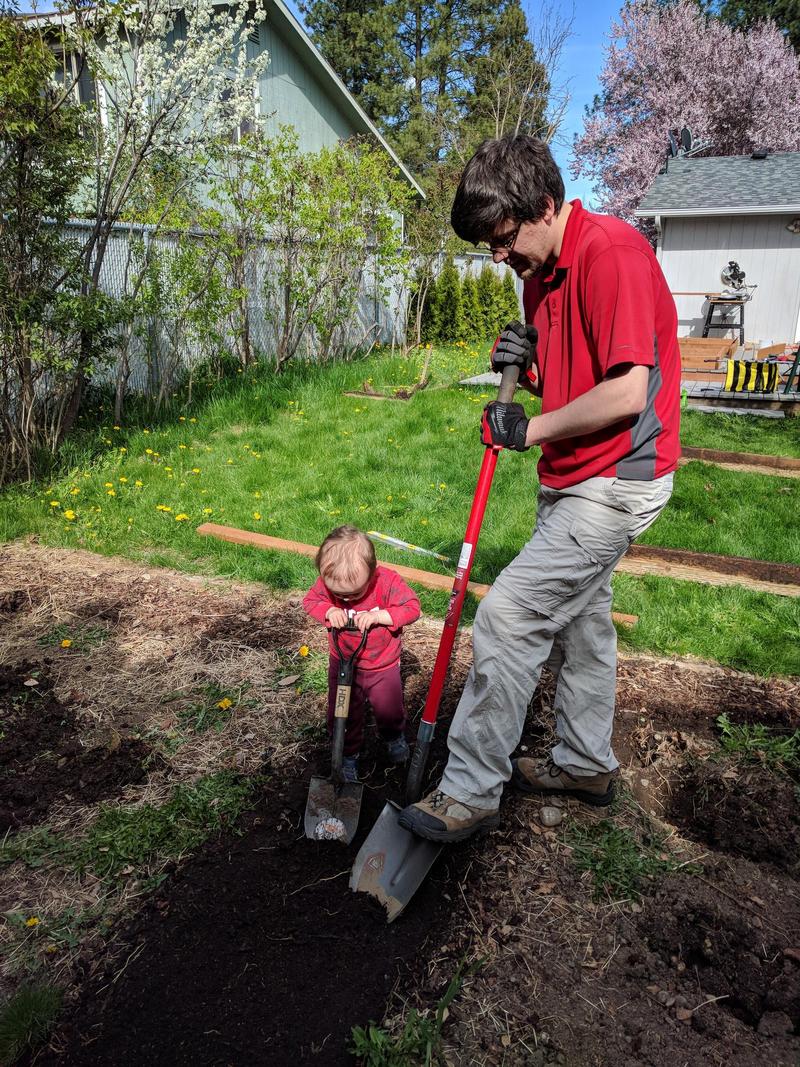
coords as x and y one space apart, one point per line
724 185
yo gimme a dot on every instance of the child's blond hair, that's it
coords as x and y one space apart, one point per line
343 554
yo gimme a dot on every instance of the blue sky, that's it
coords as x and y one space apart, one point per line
582 61
581 64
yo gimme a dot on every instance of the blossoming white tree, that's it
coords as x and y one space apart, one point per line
171 80
669 66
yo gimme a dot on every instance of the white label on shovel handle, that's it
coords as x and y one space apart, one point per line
342 706
466 556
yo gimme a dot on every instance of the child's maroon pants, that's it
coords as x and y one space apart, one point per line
384 691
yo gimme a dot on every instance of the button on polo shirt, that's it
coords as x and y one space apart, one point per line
606 303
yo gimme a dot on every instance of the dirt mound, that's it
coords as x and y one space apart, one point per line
726 949
42 760
751 812
256 952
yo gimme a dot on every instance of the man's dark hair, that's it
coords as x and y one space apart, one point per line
509 178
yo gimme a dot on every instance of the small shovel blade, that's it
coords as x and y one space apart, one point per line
332 811
392 863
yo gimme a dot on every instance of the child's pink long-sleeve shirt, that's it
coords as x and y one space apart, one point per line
387 591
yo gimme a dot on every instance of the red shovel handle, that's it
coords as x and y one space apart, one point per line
426 727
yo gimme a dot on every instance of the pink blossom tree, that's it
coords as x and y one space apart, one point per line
669 66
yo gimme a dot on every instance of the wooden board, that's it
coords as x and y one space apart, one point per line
429 579
780 579
787 466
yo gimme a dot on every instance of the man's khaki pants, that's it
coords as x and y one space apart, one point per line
552 603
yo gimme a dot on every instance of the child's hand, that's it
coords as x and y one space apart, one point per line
365 620
337 617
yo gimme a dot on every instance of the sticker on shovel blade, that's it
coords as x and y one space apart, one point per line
466 555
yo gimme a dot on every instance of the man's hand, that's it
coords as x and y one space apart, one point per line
337 617
515 347
506 425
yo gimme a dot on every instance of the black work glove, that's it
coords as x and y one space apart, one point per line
515 347
506 425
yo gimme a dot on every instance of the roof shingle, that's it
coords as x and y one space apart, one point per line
725 185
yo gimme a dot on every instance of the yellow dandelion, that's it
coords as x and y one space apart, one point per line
148 451
122 448
74 490
208 511
181 418
168 468
145 431
123 480
138 484
66 642
195 470
55 503
182 517
33 921
257 494
304 650
225 703
69 514
257 516
111 492
230 462
192 420
183 447
116 427
108 485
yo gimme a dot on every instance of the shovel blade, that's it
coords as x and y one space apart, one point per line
392 863
328 803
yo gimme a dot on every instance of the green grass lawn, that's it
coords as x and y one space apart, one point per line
292 456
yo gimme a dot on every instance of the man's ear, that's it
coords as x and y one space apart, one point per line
550 210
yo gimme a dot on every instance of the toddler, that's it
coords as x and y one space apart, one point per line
352 585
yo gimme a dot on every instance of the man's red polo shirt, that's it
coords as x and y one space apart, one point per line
606 303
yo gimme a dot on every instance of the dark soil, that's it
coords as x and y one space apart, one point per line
257 952
750 812
42 759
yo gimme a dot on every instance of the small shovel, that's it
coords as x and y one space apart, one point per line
392 863
334 804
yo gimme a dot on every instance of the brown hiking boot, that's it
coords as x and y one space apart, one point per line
441 818
534 776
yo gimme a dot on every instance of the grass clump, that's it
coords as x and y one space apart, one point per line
124 839
76 638
27 1019
133 837
315 672
418 1044
619 862
756 743
212 713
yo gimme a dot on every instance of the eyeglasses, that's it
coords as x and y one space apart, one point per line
500 244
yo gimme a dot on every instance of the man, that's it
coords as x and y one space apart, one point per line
607 368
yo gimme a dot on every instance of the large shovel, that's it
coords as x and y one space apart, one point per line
334 804
392 863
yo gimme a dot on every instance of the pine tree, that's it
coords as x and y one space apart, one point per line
511 84
488 292
430 314
474 324
450 318
509 300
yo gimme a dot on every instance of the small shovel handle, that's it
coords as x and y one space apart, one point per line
337 749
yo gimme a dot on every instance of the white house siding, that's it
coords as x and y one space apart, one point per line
693 251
